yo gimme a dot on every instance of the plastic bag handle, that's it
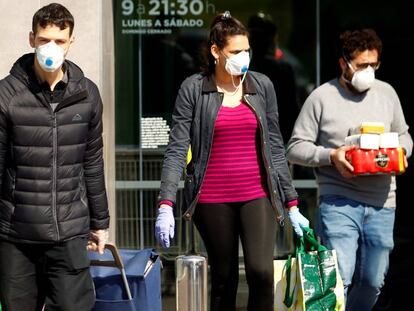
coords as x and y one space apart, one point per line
288 297
309 241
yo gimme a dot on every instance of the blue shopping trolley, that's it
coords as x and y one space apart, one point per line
126 280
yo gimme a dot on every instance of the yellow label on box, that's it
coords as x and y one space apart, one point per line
401 160
371 128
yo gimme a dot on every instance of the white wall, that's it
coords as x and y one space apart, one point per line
16 23
92 51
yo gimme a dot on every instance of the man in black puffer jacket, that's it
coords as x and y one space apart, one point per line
52 189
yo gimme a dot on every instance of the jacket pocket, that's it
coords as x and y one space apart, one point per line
75 254
10 184
82 190
281 195
188 192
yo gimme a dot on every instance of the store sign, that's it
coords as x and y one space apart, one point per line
155 132
162 16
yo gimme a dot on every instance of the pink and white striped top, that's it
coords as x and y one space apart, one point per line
235 172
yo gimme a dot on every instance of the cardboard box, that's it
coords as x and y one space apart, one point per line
389 140
382 161
368 128
364 141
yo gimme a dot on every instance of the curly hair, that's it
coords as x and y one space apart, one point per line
222 27
358 41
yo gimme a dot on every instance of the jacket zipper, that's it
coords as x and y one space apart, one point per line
13 177
82 189
272 190
54 175
189 211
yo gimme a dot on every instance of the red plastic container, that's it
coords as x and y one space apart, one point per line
382 161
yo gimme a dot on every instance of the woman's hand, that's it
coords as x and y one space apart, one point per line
164 225
297 220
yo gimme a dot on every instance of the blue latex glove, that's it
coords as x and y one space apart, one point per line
297 220
164 225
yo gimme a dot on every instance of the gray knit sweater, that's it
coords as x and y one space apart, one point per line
323 123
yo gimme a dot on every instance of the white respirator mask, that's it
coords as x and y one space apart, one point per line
363 79
50 56
238 64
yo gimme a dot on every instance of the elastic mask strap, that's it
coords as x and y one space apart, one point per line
350 66
240 84
348 63
345 79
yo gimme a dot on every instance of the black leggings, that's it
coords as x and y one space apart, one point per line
220 226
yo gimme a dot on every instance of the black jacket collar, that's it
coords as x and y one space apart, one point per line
23 67
209 84
75 89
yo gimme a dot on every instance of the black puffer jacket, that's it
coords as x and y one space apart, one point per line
51 166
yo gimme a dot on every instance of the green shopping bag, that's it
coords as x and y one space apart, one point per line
318 285
285 274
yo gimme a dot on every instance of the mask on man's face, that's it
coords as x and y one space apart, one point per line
238 64
363 79
50 56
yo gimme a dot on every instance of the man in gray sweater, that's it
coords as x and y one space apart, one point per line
356 214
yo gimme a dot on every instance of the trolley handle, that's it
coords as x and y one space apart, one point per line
116 263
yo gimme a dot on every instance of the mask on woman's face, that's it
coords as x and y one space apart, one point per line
238 64
363 79
50 56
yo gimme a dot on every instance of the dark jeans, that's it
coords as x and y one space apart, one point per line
55 274
220 226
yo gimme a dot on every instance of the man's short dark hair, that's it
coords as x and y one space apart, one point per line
357 41
53 14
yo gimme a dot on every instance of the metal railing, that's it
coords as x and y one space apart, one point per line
129 223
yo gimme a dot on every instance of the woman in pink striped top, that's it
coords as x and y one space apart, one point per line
237 182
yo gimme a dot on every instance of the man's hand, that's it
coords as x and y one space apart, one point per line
97 240
341 163
164 225
297 220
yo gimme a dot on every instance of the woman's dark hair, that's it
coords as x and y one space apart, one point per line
357 41
53 14
222 27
